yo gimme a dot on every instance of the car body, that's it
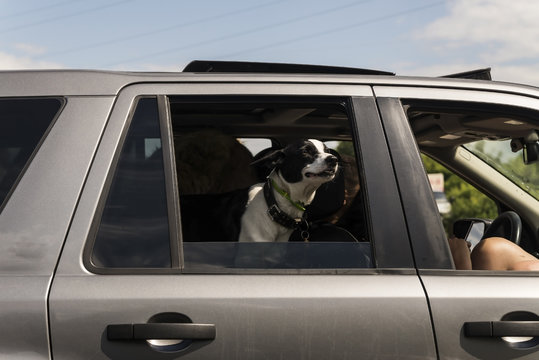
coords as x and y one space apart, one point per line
102 188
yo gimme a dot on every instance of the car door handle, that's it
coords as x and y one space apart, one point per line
501 328
162 331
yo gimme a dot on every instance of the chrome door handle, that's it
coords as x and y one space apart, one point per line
162 331
501 328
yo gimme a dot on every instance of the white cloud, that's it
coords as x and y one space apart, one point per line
13 62
474 34
523 74
30 49
504 30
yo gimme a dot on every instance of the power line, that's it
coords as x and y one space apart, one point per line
31 11
78 13
334 30
242 33
154 32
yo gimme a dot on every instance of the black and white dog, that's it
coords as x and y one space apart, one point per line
276 208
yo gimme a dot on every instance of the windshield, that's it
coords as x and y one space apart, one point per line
498 154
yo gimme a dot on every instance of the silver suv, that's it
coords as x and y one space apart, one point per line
118 234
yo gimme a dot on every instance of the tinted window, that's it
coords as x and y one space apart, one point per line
23 122
134 226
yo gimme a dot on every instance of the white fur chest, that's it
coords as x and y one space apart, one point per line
257 225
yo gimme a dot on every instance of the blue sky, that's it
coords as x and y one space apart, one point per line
412 37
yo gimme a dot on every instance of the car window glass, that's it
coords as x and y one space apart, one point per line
488 144
216 167
23 122
133 231
504 157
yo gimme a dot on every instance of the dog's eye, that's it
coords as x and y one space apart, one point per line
310 150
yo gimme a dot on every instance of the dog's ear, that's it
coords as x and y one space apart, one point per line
334 153
270 160
266 160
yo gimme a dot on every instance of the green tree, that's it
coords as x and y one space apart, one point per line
527 176
466 201
346 148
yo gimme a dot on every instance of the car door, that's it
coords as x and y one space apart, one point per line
130 284
476 313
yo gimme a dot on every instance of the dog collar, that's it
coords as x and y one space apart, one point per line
297 204
279 216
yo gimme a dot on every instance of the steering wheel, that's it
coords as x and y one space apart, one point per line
507 225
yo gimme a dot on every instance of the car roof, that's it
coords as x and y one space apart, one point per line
96 82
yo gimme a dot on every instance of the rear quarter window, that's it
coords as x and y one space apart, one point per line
23 124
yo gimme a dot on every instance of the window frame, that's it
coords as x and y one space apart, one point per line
170 189
348 107
386 259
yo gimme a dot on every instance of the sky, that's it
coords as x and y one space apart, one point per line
408 37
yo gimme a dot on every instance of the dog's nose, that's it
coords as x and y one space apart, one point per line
331 160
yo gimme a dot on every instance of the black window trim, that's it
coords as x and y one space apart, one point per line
424 226
171 182
387 230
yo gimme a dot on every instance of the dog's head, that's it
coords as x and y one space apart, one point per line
306 160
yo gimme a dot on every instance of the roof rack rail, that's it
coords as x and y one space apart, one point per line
262 67
480 74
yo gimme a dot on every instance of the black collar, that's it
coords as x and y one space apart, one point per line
279 216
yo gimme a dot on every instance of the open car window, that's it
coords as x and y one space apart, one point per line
489 176
220 148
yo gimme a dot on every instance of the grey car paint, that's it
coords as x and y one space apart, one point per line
256 316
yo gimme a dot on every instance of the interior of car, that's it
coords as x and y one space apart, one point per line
492 147
216 142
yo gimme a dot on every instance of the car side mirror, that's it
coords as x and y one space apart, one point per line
471 230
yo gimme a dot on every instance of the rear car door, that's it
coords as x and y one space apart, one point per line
137 280
476 313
